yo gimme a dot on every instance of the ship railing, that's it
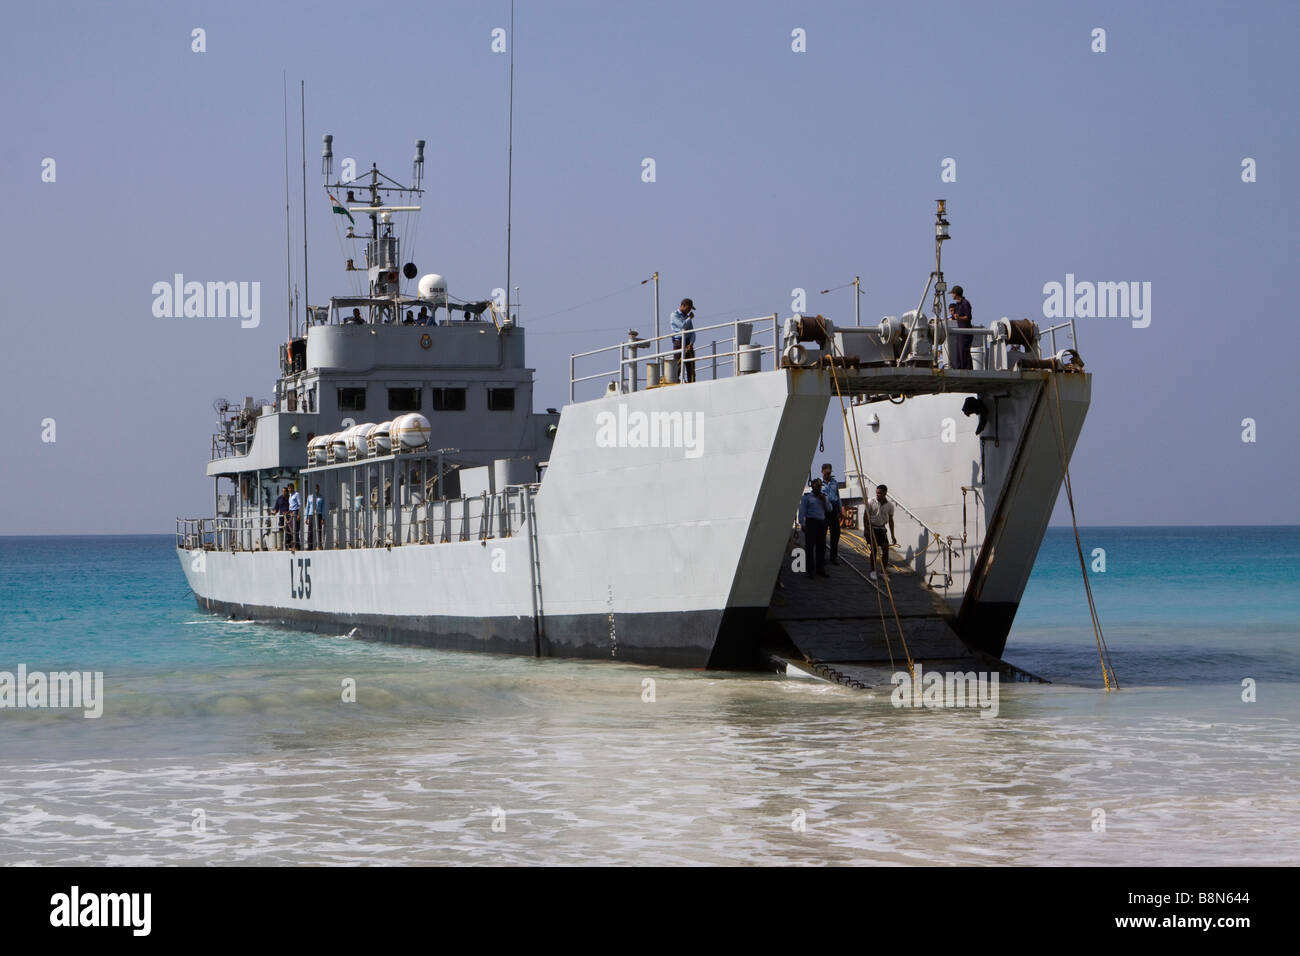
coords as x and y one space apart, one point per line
1051 331
194 534
226 447
866 488
233 533
656 361
482 517
479 517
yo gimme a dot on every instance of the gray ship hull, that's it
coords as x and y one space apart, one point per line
668 553
657 552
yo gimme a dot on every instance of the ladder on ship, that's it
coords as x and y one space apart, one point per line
535 566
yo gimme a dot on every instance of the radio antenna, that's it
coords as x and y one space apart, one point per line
306 298
510 150
288 237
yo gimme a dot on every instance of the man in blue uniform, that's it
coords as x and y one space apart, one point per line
813 510
683 329
831 491
315 512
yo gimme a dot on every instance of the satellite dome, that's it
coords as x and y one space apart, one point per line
432 286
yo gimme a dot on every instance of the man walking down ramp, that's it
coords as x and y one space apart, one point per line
813 512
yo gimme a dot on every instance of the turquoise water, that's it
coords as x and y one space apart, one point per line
1177 605
244 726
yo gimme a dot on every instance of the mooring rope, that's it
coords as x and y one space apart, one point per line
851 429
1103 652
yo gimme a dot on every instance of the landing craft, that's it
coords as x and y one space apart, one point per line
594 552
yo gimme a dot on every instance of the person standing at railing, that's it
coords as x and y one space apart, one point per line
959 345
880 512
281 509
295 510
315 512
813 511
831 491
684 332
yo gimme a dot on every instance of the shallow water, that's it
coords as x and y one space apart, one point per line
460 758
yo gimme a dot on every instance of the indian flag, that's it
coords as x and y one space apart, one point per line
338 208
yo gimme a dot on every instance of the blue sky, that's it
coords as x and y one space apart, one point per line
775 170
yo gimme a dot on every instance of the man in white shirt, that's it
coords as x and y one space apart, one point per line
881 512
295 509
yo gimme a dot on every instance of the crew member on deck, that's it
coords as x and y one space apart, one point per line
423 317
831 491
281 508
315 512
683 328
881 512
813 510
356 318
295 509
959 345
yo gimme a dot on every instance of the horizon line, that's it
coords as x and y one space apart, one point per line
1054 527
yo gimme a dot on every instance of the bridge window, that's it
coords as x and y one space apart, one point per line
352 399
404 399
501 399
449 399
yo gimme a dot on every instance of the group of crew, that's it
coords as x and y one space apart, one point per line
820 512
290 508
424 318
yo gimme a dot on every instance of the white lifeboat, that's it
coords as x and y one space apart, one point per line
381 439
411 431
317 448
358 440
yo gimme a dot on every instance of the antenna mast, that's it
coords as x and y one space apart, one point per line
940 237
510 150
306 298
288 238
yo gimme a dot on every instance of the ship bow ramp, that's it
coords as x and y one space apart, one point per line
664 516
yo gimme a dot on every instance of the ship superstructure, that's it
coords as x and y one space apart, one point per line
370 358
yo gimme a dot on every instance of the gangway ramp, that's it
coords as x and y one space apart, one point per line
837 626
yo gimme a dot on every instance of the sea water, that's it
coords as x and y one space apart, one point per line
232 743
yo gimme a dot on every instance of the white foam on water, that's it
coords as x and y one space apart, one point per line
715 770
